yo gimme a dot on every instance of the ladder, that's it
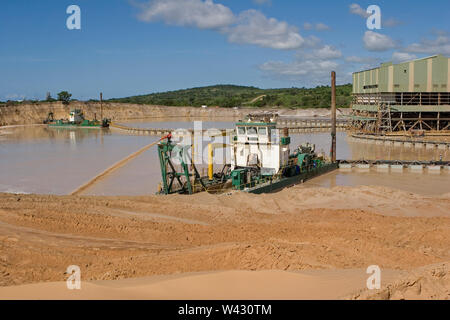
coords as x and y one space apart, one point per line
384 120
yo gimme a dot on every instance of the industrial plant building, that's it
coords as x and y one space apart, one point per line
403 98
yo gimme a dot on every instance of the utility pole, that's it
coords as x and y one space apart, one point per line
333 116
101 106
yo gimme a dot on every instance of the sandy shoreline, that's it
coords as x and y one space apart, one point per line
286 234
226 285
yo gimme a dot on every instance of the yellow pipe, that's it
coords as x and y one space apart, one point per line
193 150
223 133
211 148
210 161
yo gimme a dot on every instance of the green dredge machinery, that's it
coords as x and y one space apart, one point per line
76 120
261 161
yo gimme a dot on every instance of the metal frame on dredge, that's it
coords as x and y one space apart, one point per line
261 159
406 98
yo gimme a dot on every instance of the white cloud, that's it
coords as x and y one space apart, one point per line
439 45
15 96
191 13
322 27
327 52
308 26
253 27
324 52
362 60
313 70
263 2
398 57
362 63
312 42
318 26
310 67
391 22
374 41
356 9
249 27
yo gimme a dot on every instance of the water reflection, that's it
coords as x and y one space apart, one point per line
371 151
52 160
36 133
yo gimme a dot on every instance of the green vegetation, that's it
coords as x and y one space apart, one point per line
229 96
64 96
10 103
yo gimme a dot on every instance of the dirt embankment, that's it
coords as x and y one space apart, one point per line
425 283
125 237
36 113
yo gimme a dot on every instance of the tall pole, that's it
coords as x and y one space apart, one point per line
333 116
101 106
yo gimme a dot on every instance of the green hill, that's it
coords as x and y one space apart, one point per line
236 96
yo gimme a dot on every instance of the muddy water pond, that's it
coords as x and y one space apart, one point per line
37 159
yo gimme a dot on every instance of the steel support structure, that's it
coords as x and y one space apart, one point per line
173 180
384 113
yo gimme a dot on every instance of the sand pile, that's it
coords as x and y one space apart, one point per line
430 282
298 229
227 285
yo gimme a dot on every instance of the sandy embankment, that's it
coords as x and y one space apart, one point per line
35 114
222 285
299 243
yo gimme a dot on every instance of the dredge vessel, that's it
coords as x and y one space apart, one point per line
76 120
261 161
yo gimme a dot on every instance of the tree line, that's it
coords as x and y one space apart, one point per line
230 96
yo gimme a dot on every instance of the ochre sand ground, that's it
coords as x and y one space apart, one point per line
299 243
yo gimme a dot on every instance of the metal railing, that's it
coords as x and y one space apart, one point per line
403 98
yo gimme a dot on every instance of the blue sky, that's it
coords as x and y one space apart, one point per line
136 47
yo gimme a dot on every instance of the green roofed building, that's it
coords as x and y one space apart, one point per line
413 95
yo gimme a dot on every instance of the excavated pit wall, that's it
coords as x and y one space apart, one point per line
36 113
